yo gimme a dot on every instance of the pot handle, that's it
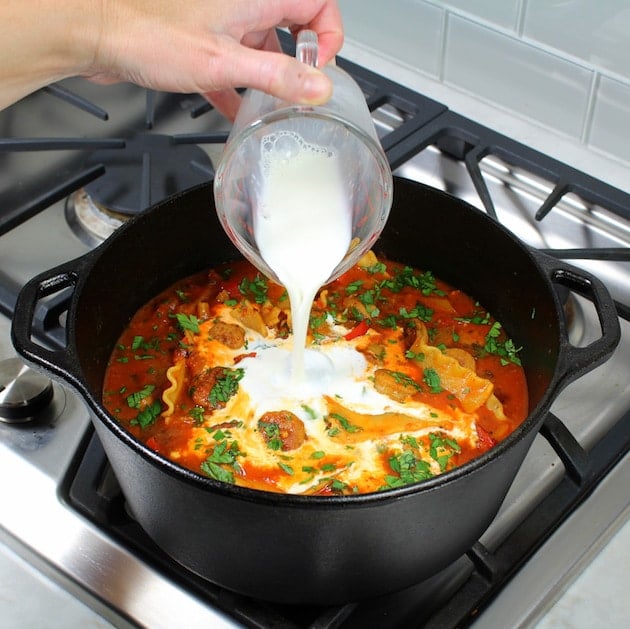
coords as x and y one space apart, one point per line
576 361
58 362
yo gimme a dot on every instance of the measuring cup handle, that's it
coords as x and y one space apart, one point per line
307 47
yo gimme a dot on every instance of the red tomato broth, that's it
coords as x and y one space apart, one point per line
366 303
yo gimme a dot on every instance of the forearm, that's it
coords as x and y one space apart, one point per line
42 41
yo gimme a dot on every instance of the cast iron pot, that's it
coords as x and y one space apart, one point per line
308 549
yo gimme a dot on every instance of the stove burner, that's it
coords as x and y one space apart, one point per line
23 392
148 169
90 222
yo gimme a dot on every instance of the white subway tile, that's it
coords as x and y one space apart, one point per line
597 31
516 75
610 128
410 31
503 13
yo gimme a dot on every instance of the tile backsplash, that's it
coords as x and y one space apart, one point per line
564 64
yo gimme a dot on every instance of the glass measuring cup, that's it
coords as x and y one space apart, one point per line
270 129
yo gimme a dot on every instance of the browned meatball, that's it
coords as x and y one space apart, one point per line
282 430
230 334
213 387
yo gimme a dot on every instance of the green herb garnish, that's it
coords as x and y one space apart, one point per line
134 399
224 388
188 322
432 379
504 349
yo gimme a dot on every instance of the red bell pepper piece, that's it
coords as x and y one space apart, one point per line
231 286
152 443
486 441
359 329
237 359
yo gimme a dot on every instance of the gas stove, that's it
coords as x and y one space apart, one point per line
79 159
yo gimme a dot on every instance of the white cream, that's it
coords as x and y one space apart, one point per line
330 370
302 226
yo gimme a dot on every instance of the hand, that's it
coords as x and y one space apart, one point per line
204 46
212 46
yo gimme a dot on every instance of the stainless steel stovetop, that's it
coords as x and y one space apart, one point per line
37 459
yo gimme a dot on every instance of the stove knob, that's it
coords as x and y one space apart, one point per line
24 393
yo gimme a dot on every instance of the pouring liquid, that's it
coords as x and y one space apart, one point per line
303 228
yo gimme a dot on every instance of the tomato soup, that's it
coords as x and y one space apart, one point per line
406 378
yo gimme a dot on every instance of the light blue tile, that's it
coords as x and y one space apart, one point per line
411 31
610 129
503 13
513 74
597 31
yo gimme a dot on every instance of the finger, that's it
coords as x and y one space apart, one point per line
226 101
101 78
327 23
325 20
263 40
274 73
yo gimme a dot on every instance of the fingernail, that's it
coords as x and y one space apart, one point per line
316 88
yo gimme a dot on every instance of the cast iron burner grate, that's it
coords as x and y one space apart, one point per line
470 142
150 168
452 598
155 162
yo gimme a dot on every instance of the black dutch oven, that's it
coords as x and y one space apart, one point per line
309 549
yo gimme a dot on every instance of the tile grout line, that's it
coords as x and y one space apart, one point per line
519 26
589 114
443 47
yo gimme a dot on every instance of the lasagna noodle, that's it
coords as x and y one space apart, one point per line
175 376
367 426
456 377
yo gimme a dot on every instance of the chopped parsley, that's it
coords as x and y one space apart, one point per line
378 267
287 469
442 448
272 434
188 322
504 349
480 318
224 388
147 415
354 287
343 423
196 412
224 455
419 312
432 379
148 412
309 411
134 399
405 380
407 276
255 289
408 468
